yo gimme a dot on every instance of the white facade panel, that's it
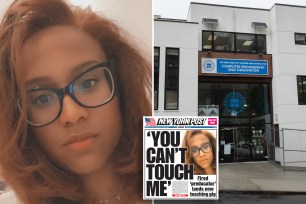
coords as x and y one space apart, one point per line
188 99
289 60
185 37
302 118
285 90
290 18
289 64
286 43
166 34
273 40
188 35
287 116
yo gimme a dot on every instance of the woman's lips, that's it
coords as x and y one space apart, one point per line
204 160
80 142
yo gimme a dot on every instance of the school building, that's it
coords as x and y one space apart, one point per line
246 65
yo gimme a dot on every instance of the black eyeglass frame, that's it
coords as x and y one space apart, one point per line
200 149
61 92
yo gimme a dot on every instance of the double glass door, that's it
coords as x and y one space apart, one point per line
241 143
245 118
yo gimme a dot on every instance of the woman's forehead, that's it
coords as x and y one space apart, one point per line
56 51
198 139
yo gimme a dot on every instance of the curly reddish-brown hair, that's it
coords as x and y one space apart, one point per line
24 165
188 158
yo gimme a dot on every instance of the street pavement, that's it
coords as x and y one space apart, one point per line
260 177
256 182
250 182
245 198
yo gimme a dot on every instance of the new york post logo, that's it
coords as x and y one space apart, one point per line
150 122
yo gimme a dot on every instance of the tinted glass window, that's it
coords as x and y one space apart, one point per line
245 43
260 103
261 44
301 86
299 38
172 79
207 40
223 41
156 77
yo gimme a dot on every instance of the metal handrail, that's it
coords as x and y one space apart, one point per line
283 135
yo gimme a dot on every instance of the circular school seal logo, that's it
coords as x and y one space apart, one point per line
234 103
209 65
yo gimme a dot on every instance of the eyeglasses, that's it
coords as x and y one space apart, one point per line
205 148
93 88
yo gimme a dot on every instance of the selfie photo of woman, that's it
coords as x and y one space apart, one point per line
201 151
73 90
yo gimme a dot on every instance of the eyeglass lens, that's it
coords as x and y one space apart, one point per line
92 89
196 151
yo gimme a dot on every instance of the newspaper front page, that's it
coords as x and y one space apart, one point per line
180 158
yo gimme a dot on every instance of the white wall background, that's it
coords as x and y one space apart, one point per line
289 60
135 16
185 37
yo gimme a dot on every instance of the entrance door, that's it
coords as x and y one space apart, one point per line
235 144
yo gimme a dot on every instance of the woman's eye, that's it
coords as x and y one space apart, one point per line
205 146
194 150
87 84
42 100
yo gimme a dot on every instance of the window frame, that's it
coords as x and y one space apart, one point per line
178 84
158 71
242 51
235 46
300 34
213 39
301 100
256 39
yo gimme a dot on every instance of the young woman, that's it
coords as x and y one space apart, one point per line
201 153
72 95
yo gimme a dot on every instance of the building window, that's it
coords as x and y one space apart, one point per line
156 76
300 38
245 43
172 79
261 44
301 86
223 41
207 40
233 42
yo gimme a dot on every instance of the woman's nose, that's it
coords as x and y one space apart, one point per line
72 112
201 153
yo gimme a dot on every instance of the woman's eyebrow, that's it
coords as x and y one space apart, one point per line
204 143
74 72
83 67
37 80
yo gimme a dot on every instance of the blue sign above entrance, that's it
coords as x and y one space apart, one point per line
234 66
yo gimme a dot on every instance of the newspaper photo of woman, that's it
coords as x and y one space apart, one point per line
201 151
73 91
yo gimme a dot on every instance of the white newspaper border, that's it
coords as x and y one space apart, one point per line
182 128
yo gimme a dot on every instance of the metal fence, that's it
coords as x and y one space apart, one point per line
291 147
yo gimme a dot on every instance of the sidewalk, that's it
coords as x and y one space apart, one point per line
260 177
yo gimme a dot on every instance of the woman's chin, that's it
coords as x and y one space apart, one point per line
87 165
